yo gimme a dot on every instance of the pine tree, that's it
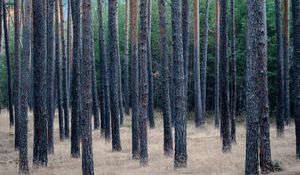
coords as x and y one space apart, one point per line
126 71
217 67
185 8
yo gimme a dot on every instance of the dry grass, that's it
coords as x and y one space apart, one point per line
204 153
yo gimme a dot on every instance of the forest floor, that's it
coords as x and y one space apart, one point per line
204 153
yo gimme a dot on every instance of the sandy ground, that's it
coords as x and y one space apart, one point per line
204 153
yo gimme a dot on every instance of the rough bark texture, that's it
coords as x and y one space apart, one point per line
168 140
25 85
50 74
180 158
199 120
150 71
114 74
76 86
126 77
134 77
69 48
95 94
224 83
58 73
87 53
280 87
8 72
217 67
39 84
185 7
296 43
64 72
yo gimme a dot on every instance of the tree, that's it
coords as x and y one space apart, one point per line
224 84
217 66
64 71
143 82
296 43
150 71
76 84
199 120
126 85
134 77
114 74
25 85
17 70
168 140
87 53
180 159
286 65
185 7
8 72
50 75
279 58
58 73
39 84
95 95
69 48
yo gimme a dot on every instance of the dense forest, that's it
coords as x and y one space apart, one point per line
73 68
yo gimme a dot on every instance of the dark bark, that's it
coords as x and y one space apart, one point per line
76 86
279 58
180 158
296 43
87 53
185 7
134 77
69 49
120 92
126 71
50 74
217 67
8 72
25 85
114 74
144 82
95 94
39 66
168 140
58 73
64 72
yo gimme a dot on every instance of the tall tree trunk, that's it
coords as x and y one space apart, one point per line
39 66
143 82
25 85
114 74
217 67
58 73
233 73
280 87
134 77
185 7
168 140
76 86
50 75
104 76
69 48
296 43
17 70
87 53
64 71
286 66
150 71
126 85
199 120
8 72
180 159
95 94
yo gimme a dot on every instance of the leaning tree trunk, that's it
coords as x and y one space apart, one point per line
126 77
8 72
39 64
185 7
180 159
76 84
217 67
64 71
87 53
114 74
134 78
280 87
25 85
168 140
296 43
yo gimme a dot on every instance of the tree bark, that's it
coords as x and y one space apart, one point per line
217 67
95 94
185 7
126 85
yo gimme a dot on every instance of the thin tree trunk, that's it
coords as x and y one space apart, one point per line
126 85
69 48
185 7
217 67
95 94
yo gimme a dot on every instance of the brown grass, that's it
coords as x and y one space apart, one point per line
204 153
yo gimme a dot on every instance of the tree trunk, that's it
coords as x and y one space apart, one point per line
134 77
126 85
114 74
95 94
217 67
168 140
185 7
76 86
87 53
280 87
69 49
39 66
180 159
25 85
